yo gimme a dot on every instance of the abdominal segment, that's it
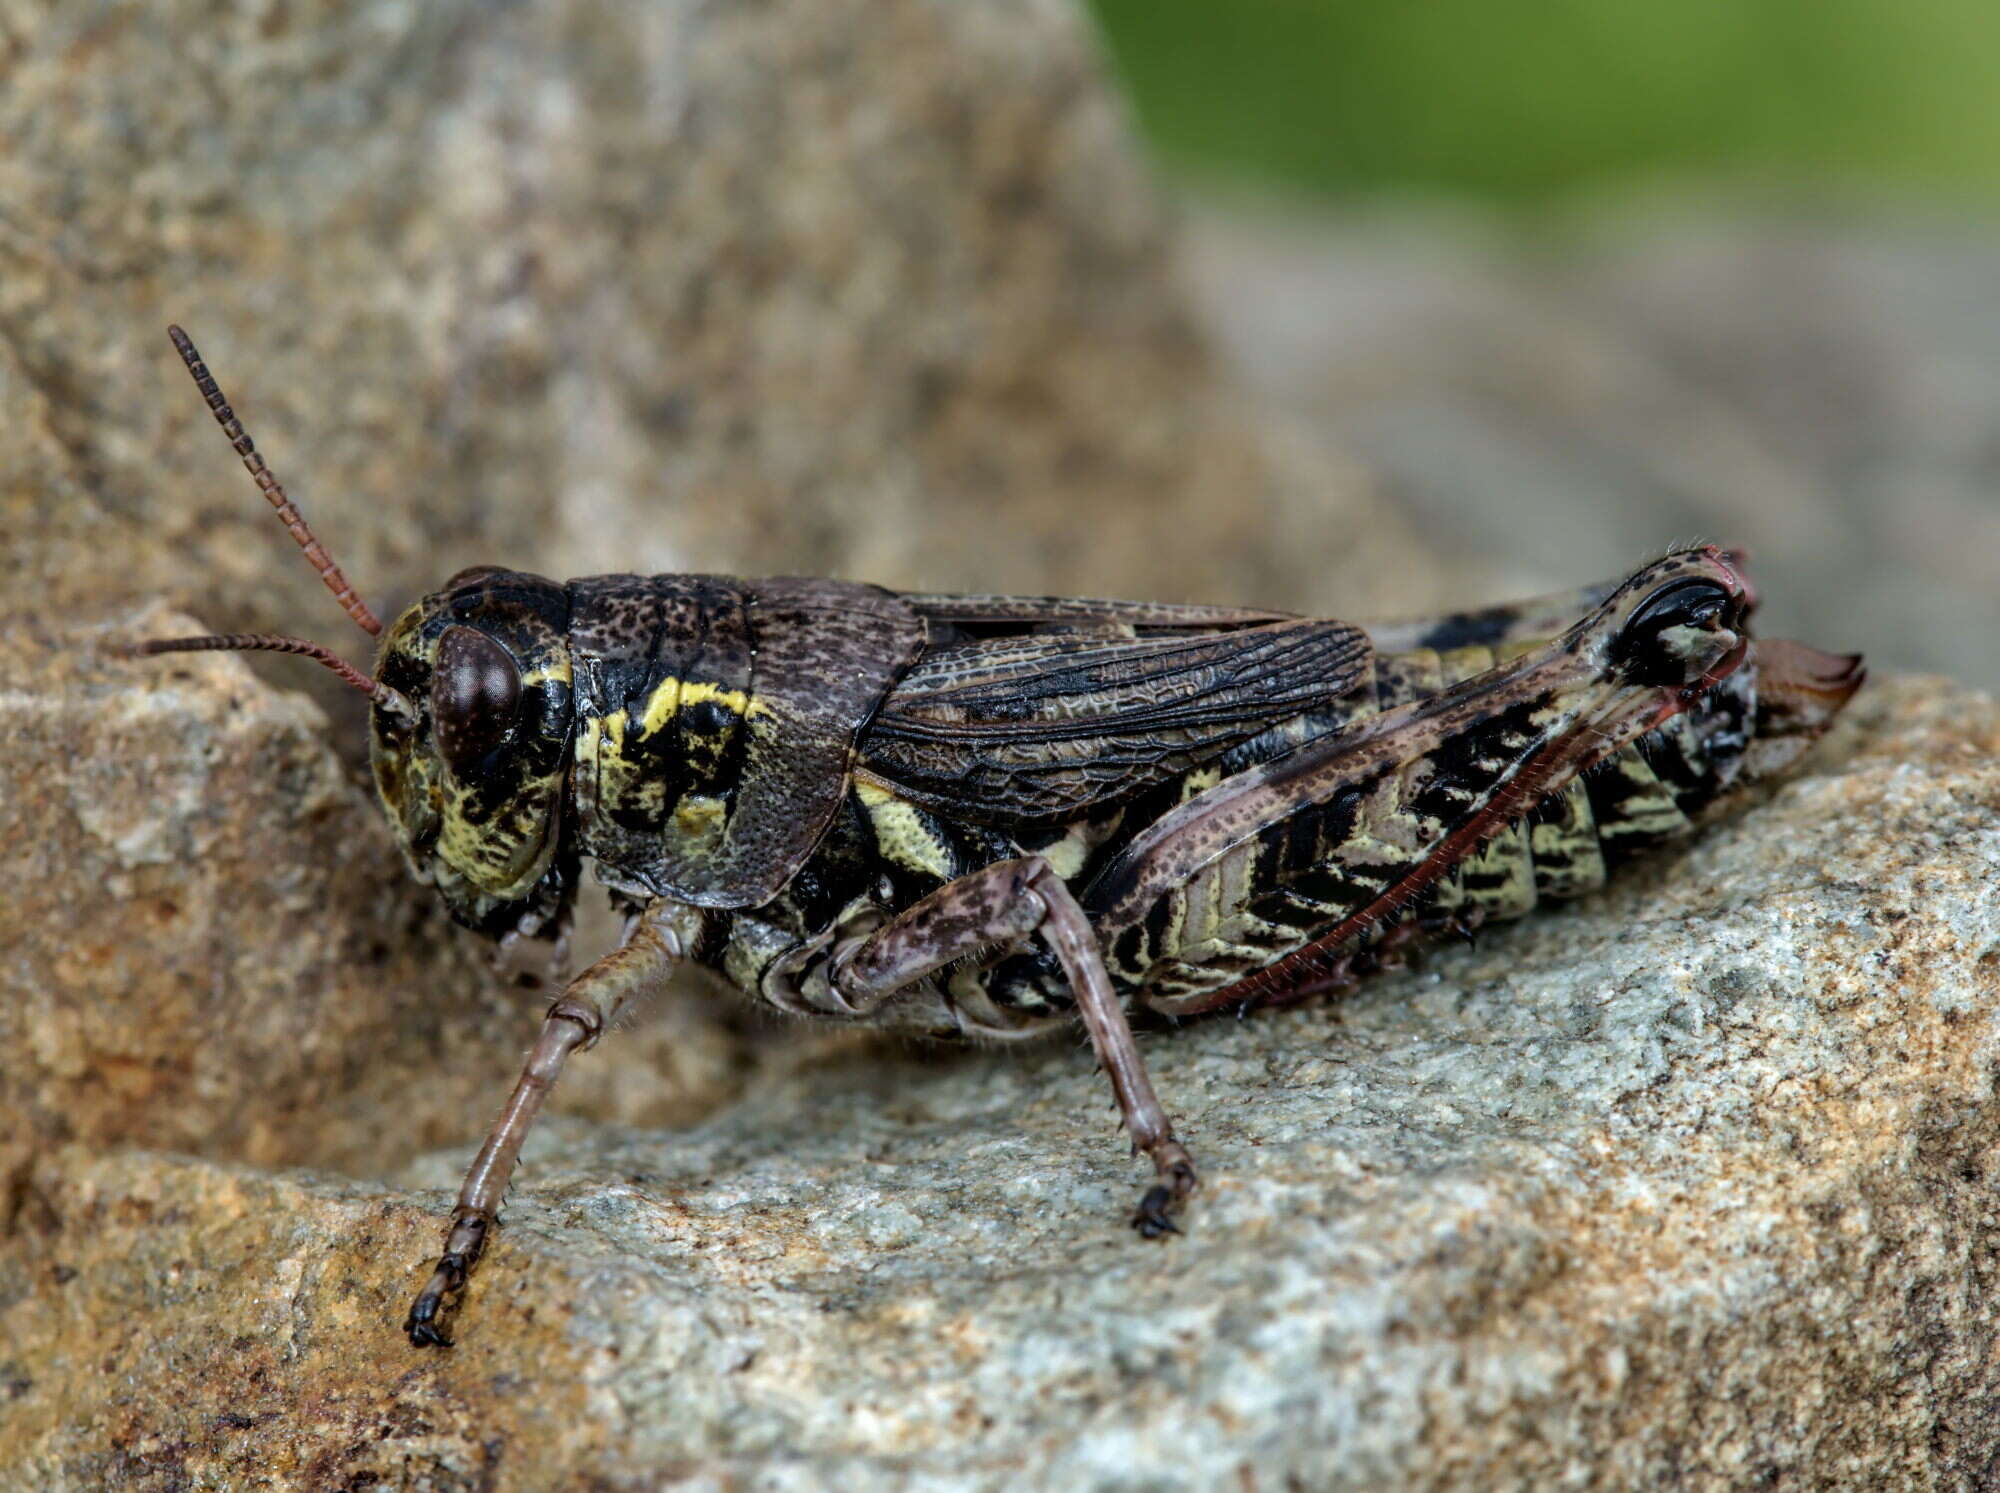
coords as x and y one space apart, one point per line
1291 906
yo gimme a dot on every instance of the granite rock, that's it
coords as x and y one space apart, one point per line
1691 1182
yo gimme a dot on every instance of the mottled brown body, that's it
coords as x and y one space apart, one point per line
1081 732
986 816
1208 927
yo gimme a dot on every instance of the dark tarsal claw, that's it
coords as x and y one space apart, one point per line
425 1334
422 1324
1154 1220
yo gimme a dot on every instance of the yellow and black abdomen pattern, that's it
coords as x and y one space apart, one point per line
1642 796
1305 875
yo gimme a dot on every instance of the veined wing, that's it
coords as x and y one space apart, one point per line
1039 727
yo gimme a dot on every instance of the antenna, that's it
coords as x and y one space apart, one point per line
288 512
383 695
255 642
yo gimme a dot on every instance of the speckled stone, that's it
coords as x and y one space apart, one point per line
1689 1183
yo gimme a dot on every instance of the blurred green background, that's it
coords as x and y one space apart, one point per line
1522 102
1577 279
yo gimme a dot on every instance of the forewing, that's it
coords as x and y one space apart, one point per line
1042 613
1496 627
1038 727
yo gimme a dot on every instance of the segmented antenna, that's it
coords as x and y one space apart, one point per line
288 512
384 696
263 642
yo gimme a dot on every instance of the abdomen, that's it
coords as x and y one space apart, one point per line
1282 891
1318 885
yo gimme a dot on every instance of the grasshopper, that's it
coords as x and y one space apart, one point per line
990 816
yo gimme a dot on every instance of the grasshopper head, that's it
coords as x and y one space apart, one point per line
470 719
472 769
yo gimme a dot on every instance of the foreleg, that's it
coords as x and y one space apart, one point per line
655 942
1004 903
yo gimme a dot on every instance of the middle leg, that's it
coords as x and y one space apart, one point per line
1003 903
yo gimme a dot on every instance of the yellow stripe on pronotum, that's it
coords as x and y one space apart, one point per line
671 696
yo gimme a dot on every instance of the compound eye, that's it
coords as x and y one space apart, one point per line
1672 636
475 696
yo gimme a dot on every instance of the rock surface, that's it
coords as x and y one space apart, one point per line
1691 1182
212 944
